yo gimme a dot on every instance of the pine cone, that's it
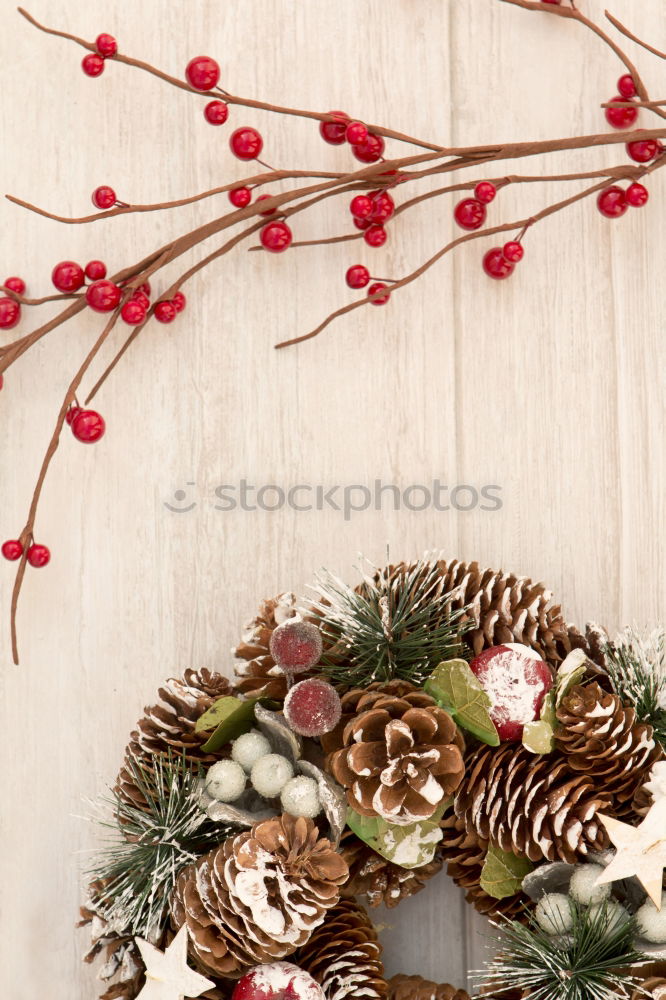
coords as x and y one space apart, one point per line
533 806
653 986
414 988
255 669
398 761
359 700
344 955
378 880
259 896
600 737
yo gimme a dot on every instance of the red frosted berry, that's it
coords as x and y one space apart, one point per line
621 118
88 426
637 195
10 313
513 251
106 45
361 206
38 556
240 197
516 680
334 131
370 150
626 87
93 64
485 192
470 214
357 276
375 236
202 73
295 646
104 197
179 302
381 300
15 285
496 265
265 197
383 207
72 412
165 311
276 237
277 981
356 133
12 549
644 150
133 312
246 143
612 202
68 276
312 708
216 112
95 270
103 296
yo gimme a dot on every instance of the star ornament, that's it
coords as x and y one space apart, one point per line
168 976
641 851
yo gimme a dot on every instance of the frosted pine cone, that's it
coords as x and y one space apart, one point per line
415 988
378 880
358 700
255 669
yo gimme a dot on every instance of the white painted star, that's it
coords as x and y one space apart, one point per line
168 976
641 851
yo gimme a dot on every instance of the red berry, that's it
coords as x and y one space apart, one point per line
334 131
246 143
381 300
357 276
621 118
15 285
10 313
202 73
626 87
361 206
644 150
106 45
12 549
375 236
165 311
104 197
513 251
264 197
144 288
142 299
240 197
92 64
637 195
362 224
67 276
496 265
612 202
470 214
276 237
370 150
103 296
277 981
485 192
95 269
88 426
383 207
216 112
72 413
312 708
133 312
356 133
38 556
179 302
2 381
516 680
556 2
295 646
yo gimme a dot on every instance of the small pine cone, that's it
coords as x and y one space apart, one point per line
255 669
415 988
600 737
535 807
291 874
359 700
378 880
344 955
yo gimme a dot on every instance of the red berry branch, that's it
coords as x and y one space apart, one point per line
376 188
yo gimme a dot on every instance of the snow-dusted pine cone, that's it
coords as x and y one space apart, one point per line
415 988
259 896
359 700
380 881
255 669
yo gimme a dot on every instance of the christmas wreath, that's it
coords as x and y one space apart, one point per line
436 715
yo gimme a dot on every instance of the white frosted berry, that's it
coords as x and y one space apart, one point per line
300 797
225 781
249 748
651 922
270 774
583 887
554 913
614 914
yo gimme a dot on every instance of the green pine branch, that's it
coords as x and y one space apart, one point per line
636 665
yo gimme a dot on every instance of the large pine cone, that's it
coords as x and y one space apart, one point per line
415 988
533 806
600 737
255 669
398 761
378 880
344 955
259 896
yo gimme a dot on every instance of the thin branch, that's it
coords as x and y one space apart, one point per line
634 38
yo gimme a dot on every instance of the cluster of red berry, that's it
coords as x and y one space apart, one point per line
358 276
614 201
37 555
368 147
10 310
370 213
106 48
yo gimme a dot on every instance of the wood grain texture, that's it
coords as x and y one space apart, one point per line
550 385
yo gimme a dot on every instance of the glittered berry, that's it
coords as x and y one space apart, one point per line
240 197
38 556
10 313
179 302
621 118
270 774
165 311
202 73
334 131
93 64
67 276
103 296
276 237
72 412
485 192
12 549
296 645
637 195
104 197
216 112
375 236
356 133
106 45
383 207
370 150
225 781
513 251
133 312
470 214
300 796
626 87
516 680
277 981
644 150
381 300
496 265
265 197
312 708
612 202
361 206
88 426
95 270
357 276
15 285
246 143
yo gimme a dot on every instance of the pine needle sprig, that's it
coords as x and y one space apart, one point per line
134 873
636 664
397 624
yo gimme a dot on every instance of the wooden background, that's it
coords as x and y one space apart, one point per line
550 385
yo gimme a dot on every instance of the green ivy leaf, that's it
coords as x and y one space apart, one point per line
229 717
503 873
572 670
455 688
408 846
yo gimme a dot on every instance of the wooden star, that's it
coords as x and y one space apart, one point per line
168 976
641 851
